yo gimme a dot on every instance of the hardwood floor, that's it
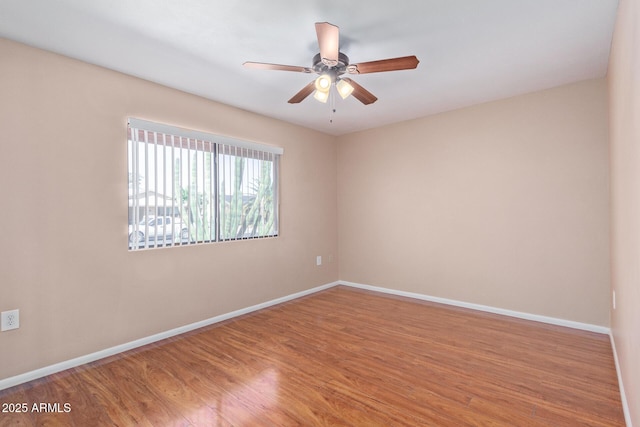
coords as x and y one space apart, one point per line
342 357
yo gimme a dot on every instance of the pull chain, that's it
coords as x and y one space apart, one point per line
332 106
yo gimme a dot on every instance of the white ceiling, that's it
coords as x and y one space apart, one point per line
470 51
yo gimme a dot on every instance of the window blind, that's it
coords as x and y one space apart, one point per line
191 187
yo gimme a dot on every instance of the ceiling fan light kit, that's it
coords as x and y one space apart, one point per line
330 64
321 96
344 88
323 83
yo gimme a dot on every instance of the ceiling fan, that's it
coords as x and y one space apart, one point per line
330 64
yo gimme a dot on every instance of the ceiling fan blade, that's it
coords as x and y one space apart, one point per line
393 64
265 66
329 42
306 91
360 93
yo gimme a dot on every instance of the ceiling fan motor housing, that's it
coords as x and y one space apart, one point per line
320 67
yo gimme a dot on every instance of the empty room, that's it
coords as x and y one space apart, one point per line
423 213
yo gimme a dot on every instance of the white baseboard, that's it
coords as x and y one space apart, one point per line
623 396
68 364
58 367
527 316
489 309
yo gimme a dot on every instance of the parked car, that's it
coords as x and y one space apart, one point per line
157 229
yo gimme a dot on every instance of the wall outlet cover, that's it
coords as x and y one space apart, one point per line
9 320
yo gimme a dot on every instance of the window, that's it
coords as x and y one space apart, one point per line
188 187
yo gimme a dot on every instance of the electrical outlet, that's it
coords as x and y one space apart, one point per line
9 320
319 260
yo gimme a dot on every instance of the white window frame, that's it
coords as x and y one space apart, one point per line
258 167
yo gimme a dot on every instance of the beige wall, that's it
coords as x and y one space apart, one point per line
624 107
63 253
503 204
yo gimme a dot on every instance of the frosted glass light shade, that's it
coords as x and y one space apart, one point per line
321 96
323 83
344 89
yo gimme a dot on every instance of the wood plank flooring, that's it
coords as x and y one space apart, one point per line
342 357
